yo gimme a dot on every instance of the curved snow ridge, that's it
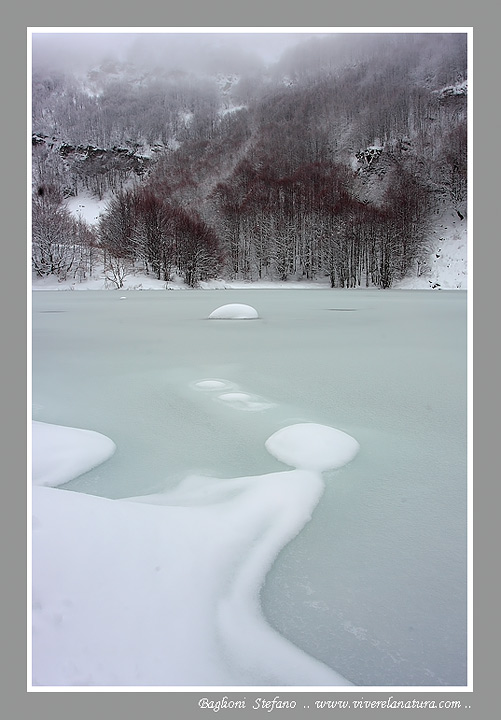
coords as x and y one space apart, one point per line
272 511
60 454
276 513
249 520
234 311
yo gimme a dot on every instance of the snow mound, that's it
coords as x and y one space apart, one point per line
310 446
234 311
60 454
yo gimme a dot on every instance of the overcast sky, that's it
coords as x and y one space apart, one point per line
189 51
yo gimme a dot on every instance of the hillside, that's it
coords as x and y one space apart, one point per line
343 162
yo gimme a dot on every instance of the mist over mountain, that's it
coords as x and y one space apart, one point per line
332 156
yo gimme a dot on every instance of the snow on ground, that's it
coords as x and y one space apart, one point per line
445 267
139 281
98 281
163 590
87 207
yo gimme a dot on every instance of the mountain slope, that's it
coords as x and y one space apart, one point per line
340 161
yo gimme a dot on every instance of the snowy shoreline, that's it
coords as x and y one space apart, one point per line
144 283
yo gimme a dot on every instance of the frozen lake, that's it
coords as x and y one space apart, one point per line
375 584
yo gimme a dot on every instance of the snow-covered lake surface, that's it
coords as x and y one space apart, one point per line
364 565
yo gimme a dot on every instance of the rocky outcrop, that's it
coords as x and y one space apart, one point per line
369 155
96 168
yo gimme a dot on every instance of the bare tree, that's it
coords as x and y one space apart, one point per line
455 168
53 233
87 250
154 230
117 226
197 250
116 269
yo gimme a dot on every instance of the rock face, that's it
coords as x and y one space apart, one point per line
371 153
234 311
97 167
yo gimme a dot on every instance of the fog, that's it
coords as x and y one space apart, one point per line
189 51
234 51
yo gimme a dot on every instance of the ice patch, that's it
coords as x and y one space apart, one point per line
311 446
234 311
244 401
212 384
